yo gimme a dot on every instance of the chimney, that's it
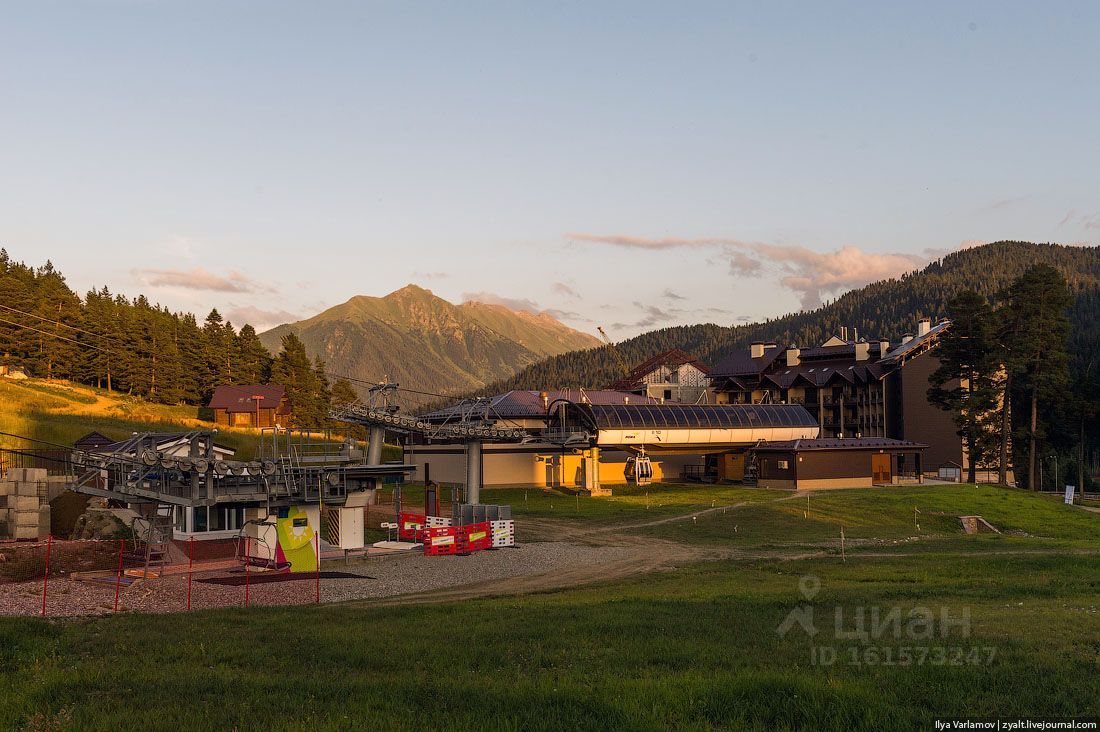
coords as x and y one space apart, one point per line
883 347
545 397
843 332
863 350
626 400
923 326
793 356
756 350
906 338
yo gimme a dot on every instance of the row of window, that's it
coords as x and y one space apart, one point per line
201 519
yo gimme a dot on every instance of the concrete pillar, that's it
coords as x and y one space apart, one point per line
473 471
374 445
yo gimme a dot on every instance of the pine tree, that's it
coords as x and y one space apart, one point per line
254 362
306 392
966 382
1035 339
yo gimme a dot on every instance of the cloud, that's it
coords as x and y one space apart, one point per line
1081 220
197 279
512 303
557 314
260 319
811 275
670 295
430 275
638 242
560 288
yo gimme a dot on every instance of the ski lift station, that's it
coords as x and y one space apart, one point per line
586 440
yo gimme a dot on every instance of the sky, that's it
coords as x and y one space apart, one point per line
627 164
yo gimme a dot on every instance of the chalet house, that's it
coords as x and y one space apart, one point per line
855 388
672 376
839 463
250 405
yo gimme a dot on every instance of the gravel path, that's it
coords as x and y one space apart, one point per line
412 574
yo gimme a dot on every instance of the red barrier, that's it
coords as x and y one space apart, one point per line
408 524
441 540
475 537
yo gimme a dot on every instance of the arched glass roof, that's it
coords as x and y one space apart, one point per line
698 416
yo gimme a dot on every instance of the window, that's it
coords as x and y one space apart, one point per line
668 393
783 464
198 519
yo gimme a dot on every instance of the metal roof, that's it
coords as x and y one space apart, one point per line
239 398
522 403
700 416
842 443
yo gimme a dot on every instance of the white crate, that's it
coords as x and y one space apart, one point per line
504 533
437 522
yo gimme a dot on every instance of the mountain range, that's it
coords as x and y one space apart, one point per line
421 341
884 309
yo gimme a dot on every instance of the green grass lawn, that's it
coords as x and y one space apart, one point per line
629 503
695 648
892 513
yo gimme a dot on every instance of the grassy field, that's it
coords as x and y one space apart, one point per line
887 514
695 648
61 413
698 647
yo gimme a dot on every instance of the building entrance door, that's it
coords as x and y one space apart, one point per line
880 468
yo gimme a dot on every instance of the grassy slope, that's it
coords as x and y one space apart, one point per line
696 647
888 514
62 413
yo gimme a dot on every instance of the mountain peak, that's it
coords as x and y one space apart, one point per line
410 290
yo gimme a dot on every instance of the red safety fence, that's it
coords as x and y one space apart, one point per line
474 537
58 577
441 540
408 524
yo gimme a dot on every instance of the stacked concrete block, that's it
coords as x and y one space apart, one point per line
24 494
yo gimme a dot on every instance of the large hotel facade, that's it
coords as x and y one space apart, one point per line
855 388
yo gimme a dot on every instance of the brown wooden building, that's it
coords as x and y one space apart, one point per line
250 405
839 463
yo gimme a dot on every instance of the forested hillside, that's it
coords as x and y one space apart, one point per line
887 309
111 341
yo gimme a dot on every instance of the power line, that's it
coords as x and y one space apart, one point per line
55 322
55 335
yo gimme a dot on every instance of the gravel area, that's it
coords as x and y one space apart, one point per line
381 577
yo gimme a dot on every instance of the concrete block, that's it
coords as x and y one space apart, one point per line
23 503
23 518
3 503
7 487
44 521
25 532
35 475
26 488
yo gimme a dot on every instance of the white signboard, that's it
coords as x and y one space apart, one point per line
1069 494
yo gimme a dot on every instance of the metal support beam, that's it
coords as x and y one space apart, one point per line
374 445
473 471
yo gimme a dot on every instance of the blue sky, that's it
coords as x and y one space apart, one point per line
631 165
